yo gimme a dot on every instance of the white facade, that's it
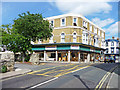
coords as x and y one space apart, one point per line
111 46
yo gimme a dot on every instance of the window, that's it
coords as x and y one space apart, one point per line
90 41
52 55
51 39
39 41
74 37
85 24
106 50
99 32
91 28
102 34
102 43
112 43
63 22
52 23
85 37
106 44
112 50
62 37
95 30
74 21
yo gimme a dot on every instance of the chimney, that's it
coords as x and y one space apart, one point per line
112 37
117 38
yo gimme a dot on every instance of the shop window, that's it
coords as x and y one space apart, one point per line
41 55
52 55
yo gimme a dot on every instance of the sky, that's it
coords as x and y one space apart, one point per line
104 13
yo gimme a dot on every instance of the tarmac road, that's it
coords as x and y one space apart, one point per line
64 76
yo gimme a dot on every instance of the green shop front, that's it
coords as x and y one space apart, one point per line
66 52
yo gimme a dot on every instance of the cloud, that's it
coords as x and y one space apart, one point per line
86 7
112 30
102 23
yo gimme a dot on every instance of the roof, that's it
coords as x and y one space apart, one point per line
75 15
110 40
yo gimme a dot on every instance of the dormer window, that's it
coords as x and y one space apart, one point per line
74 21
63 22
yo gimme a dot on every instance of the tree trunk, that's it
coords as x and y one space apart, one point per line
23 57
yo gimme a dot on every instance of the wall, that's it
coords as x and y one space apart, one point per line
7 59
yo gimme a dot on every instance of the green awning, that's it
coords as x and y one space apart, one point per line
84 48
63 47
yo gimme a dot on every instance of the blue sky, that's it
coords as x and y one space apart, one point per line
104 14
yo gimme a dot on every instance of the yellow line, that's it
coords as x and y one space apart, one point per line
66 70
61 74
48 68
60 70
42 75
104 78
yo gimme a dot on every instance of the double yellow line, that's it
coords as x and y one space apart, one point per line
48 68
99 86
63 73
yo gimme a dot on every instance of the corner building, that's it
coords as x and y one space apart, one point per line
75 39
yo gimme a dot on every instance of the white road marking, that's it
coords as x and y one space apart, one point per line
42 83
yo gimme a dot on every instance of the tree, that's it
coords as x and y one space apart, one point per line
28 27
33 26
15 42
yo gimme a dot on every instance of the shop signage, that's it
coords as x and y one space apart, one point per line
74 46
50 48
91 50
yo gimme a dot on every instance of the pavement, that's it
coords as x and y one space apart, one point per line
115 78
23 68
14 73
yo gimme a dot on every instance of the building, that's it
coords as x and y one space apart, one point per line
75 38
112 47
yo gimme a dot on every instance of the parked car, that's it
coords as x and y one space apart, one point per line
109 59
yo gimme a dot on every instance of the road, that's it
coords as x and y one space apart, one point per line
64 76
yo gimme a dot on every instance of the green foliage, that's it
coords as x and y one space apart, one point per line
33 26
3 69
28 27
27 58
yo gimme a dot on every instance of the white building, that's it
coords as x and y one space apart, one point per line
112 47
